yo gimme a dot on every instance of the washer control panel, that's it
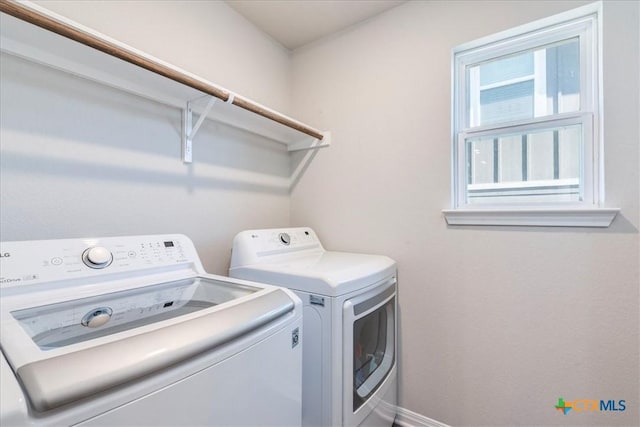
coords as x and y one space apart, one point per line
24 263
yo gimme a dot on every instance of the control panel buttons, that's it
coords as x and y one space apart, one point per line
285 239
97 257
56 261
97 317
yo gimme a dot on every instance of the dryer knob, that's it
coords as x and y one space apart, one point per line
285 239
97 257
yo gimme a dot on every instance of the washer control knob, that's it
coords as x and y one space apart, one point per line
285 238
97 317
97 257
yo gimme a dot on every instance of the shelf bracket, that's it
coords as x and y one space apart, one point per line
312 143
189 130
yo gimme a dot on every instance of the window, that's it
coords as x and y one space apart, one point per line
526 119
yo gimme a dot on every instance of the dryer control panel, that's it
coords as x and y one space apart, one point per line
23 263
253 246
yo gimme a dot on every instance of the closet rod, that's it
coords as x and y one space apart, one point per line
36 18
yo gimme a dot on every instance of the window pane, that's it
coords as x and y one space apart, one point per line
537 83
481 158
568 151
541 166
563 78
507 68
540 156
508 102
510 158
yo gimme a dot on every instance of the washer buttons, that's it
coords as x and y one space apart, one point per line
56 261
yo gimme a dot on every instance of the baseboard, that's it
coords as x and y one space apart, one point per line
407 418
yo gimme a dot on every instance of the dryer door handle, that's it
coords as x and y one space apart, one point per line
377 300
60 380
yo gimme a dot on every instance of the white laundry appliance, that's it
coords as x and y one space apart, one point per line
349 360
132 331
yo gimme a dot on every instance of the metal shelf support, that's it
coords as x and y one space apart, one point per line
189 130
312 143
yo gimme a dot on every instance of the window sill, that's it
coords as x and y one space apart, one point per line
584 217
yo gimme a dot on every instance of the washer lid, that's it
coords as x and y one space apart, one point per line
58 363
327 273
79 320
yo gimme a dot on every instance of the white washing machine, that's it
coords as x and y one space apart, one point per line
132 331
349 360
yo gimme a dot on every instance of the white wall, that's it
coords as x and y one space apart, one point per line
81 160
207 38
497 323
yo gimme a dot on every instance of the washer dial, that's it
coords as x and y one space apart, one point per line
97 257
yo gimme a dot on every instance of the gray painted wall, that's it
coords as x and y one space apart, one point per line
81 160
496 323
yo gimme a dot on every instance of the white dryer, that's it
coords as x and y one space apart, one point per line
349 317
132 331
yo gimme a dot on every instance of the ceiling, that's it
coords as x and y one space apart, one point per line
294 23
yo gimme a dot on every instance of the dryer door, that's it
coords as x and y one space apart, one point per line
369 347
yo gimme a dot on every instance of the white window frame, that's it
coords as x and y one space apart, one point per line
584 23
